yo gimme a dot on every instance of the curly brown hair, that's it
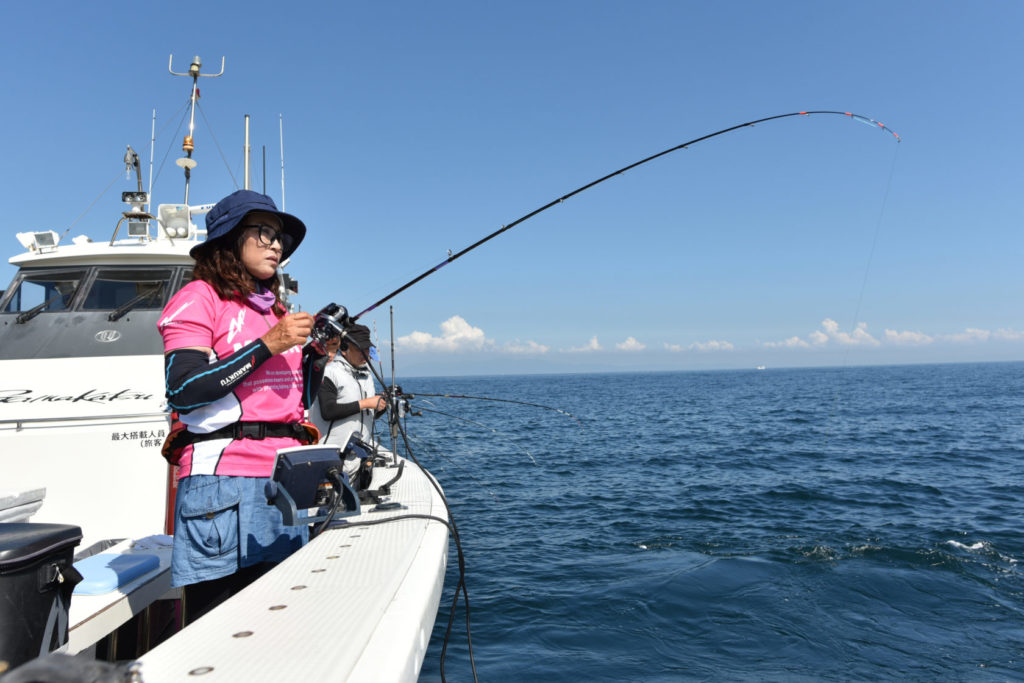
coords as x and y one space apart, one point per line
219 264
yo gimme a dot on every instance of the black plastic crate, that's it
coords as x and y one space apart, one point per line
36 580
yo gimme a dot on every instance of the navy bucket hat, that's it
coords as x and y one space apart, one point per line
228 213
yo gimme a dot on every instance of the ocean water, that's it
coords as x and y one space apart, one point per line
805 524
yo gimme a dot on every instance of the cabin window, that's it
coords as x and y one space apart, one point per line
48 290
186 277
115 287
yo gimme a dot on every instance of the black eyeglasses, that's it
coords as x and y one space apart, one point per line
267 234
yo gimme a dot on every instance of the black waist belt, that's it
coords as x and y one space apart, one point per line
254 430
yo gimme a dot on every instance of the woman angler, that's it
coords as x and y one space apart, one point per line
239 378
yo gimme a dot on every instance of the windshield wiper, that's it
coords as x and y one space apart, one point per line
36 310
120 311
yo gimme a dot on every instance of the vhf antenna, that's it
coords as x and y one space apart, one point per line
187 162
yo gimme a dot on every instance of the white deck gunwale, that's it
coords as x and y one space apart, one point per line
357 603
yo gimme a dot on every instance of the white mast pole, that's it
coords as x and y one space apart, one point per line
152 146
245 183
281 120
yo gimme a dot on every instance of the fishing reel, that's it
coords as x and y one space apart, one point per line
328 324
400 402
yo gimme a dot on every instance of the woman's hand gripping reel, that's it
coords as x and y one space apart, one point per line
329 323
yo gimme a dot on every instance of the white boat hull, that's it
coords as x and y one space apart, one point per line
91 438
355 604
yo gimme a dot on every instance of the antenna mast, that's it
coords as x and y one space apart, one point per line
187 162
247 153
152 146
281 121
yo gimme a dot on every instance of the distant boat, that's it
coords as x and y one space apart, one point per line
760 367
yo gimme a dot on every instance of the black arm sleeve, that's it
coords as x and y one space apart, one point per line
313 365
330 409
192 381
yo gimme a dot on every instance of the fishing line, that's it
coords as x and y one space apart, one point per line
431 449
461 559
503 400
452 257
342 524
874 239
860 299
400 428
480 424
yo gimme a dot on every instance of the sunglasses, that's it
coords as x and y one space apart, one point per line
266 235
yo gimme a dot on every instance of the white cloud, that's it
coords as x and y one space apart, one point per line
528 347
592 345
829 332
631 344
908 338
456 335
791 343
712 345
975 335
860 336
970 335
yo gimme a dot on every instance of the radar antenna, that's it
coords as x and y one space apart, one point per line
187 162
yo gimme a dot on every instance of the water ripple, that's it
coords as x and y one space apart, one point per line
790 525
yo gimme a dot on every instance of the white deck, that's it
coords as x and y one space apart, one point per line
355 604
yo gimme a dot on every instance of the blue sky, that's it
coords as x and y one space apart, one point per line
412 128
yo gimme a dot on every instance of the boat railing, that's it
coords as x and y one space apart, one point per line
20 422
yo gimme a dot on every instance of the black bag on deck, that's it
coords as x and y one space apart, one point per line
36 580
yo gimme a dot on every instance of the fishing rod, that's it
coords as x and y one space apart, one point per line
502 400
393 411
452 257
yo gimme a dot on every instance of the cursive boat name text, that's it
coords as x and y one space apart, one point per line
90 396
